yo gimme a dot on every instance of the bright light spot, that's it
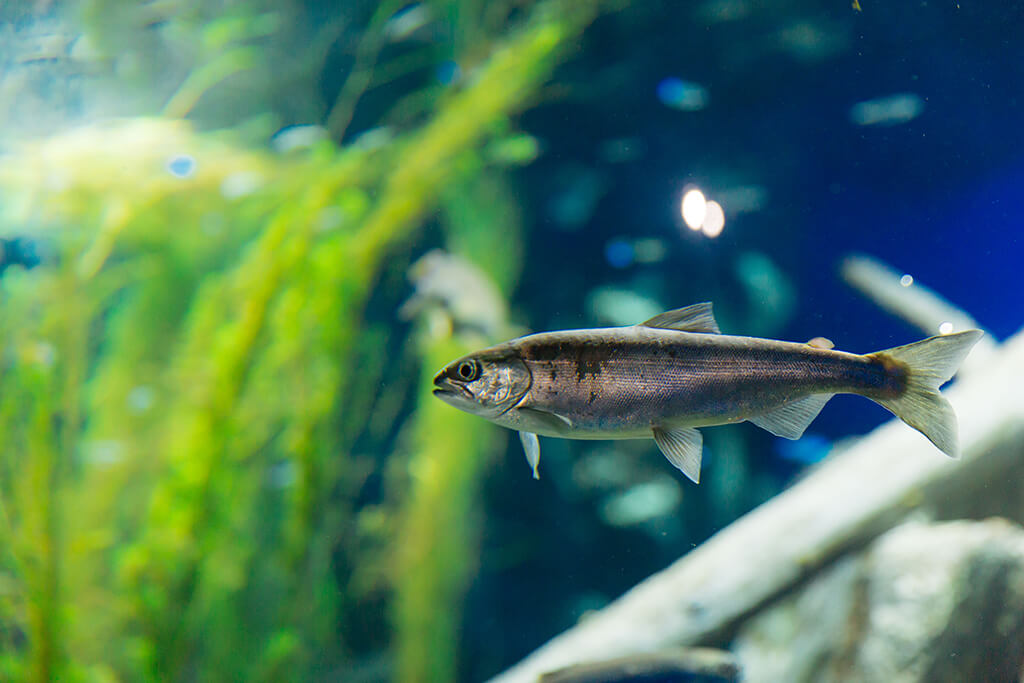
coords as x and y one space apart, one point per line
694 209
946 327
907 280
714 221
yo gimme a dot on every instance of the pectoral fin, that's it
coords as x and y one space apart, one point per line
792 419
531 446
683 448
553 422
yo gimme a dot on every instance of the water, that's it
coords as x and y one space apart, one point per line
220 456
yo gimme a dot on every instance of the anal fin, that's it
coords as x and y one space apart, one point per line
792 419
683 448
531 446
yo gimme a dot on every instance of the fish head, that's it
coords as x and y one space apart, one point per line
488 383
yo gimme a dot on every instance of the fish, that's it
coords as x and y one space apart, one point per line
666 377
461 291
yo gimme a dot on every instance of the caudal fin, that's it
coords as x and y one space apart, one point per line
930 363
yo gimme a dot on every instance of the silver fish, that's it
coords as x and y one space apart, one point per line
667 376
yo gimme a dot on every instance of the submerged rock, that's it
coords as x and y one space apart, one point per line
925 602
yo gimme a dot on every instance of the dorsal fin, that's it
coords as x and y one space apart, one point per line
695 318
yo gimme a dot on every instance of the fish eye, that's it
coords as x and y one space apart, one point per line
468 370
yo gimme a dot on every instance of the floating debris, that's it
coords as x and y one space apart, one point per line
676 93
891 110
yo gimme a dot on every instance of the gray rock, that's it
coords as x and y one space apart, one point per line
925 602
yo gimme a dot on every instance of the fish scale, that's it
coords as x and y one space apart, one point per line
647 376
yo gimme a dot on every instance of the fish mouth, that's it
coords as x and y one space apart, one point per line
445 388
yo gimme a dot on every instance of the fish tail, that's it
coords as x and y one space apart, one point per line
927 365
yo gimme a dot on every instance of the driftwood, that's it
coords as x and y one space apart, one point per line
847 501
690 664
924 603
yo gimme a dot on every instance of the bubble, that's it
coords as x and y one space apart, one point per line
907 280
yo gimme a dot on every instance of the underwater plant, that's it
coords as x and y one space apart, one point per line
194 387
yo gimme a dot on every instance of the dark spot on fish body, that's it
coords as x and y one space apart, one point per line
586 366
893 380
544 352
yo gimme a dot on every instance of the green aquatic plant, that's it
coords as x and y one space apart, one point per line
184 388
